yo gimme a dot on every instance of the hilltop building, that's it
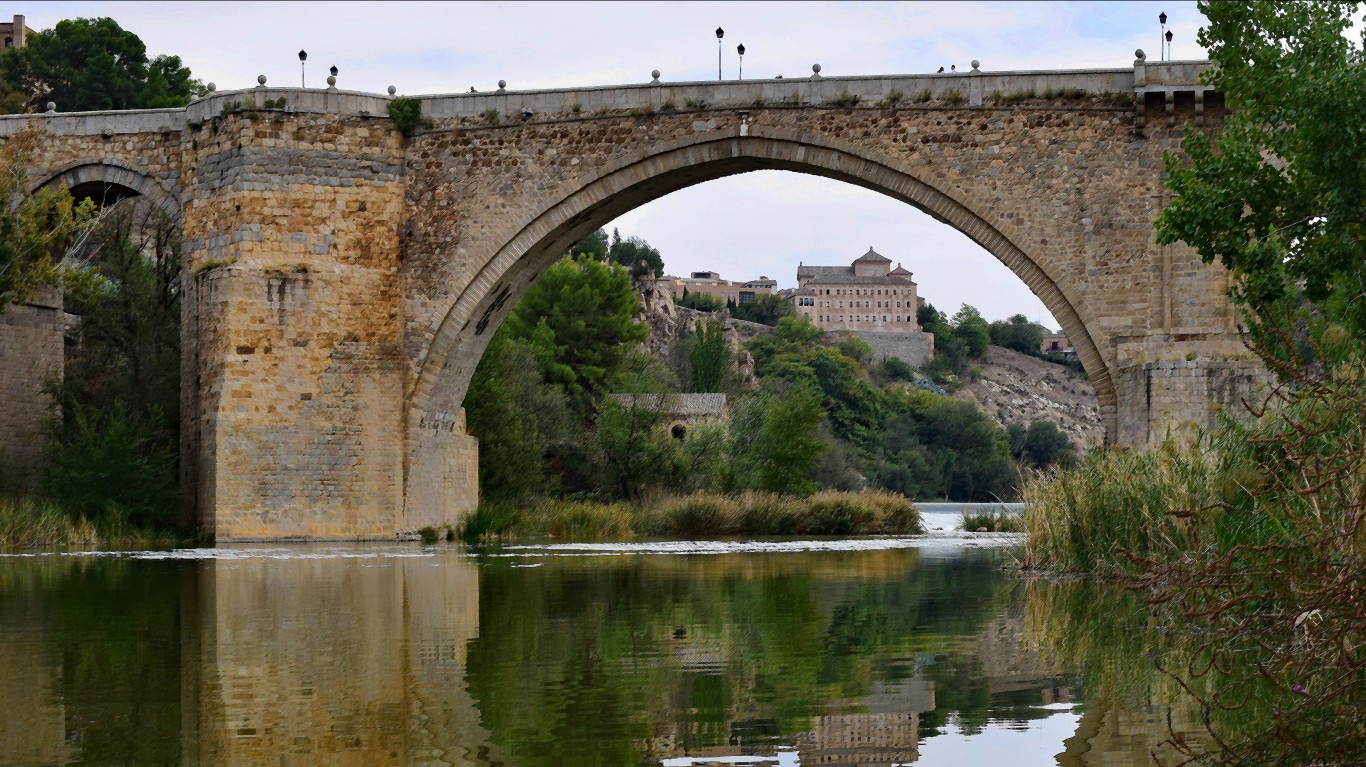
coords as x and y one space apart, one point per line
15 33
711 284
868 295
868 298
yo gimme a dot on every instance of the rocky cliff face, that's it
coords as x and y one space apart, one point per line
1018 388
670 323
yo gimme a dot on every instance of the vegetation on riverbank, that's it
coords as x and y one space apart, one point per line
700 515
1255 536
29 523
999 521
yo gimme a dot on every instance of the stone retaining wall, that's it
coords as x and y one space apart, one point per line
31 354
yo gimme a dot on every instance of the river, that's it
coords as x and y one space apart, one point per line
888 651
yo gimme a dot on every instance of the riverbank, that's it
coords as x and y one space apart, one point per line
707 515
30 523
1256 535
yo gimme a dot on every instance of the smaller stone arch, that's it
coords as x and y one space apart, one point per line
108 181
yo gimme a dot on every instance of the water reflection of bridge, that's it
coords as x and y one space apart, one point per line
356 660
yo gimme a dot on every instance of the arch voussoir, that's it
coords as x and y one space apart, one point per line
114 172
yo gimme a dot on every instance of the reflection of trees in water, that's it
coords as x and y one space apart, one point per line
110 656
716 652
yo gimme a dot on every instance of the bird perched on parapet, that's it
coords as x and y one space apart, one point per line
941 70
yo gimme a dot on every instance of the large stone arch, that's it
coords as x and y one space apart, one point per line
542 236
119 179
440 383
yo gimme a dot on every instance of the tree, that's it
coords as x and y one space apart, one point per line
634 251
1017 333
1278 194
127 346
518 418
578 317
1040 445
778 439
594 246
765 309
115 440
974 331
709 355
37 229
94 64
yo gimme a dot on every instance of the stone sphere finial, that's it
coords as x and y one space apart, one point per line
392 90
976 65
261 80
331 81
1140 55
816 70
210 88
51 107
502 85
655 75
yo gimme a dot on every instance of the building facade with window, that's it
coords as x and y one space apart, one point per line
15 33
711 284
866 296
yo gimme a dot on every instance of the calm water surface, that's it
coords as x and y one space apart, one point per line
869 652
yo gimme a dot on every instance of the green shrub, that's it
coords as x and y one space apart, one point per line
406 112
107 463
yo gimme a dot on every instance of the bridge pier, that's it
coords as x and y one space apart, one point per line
1179 398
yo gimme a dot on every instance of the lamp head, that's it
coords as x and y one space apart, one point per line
303 56
720 33
1162 18
333 70
740 49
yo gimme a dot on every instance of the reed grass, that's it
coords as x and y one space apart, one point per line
700 515
998 521
1115 508
28 522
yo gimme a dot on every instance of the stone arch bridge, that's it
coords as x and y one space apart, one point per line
341 280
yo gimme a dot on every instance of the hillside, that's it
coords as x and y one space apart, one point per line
1018 388
1013 388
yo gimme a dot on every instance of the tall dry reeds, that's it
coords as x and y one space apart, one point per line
700 515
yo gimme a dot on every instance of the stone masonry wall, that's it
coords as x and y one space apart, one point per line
1178 398
31 349
295 380
911 348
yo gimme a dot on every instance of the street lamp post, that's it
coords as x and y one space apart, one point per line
720 33
740 49
1169 45
1162 22
303 56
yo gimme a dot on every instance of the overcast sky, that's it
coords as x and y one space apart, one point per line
760 223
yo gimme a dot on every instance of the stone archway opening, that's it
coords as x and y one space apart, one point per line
449 360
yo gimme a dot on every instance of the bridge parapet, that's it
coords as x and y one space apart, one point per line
97 123
974 88
302 100
887 90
